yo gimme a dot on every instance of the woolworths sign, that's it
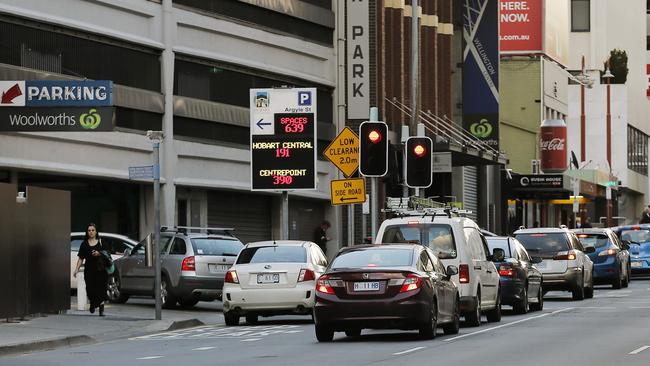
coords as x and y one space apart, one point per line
56 105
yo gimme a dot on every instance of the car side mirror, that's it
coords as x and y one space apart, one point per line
127 252
451 270
625 246
590 250
535 260
498 255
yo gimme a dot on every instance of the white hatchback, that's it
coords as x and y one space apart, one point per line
272 278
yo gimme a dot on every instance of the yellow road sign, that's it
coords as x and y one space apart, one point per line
343 152
348 191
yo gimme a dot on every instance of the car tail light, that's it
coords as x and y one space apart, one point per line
565 256
506 271
412 282
463 273
323 286
231 277
188 264
607 252
306 275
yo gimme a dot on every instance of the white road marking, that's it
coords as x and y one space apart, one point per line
251 340
408 351
149 357
509 324
223 332
639 350
203 348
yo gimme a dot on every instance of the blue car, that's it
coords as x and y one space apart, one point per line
638 239
611 257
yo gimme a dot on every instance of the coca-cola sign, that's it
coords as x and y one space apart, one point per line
553 144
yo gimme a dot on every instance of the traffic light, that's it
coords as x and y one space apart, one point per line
418 162
373 149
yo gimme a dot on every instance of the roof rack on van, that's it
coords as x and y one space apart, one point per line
418 206
209 230
522 227
563 226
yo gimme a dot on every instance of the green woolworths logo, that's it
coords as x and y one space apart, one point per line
90 120
481 129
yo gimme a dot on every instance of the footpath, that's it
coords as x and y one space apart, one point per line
75 327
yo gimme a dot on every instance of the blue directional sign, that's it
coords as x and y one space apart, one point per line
141 172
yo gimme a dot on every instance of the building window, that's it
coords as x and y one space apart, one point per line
580 21
637 150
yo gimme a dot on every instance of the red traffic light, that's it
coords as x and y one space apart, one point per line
374 136
419 150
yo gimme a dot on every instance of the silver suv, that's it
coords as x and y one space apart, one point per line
194 266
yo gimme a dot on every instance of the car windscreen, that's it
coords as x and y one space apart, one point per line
273 254
593 240
544 242
373 258
75 244
638 236
499 243
438 237
214 246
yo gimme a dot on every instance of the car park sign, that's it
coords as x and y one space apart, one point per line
283 139
56 93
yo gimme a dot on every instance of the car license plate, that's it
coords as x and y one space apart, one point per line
637 264
218 267
268 278
366 286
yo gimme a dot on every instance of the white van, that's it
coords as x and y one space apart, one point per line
456 241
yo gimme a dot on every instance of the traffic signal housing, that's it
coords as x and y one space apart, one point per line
373 149
418 162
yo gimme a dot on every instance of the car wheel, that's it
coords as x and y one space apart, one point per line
589 291
626 281
251 318
114 291
494 315
539 305
578 292
617 283
521 307
429 329
324 334
354 332
454 326
168 300
188 302
473 318
231 318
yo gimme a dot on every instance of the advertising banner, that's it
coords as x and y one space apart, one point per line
24 119
521 26
56 93
481 70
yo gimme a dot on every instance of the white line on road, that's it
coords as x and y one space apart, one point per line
408 351
149 357
203 348
509 324
251 339
639 350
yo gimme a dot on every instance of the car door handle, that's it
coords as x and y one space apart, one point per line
477 267
488 271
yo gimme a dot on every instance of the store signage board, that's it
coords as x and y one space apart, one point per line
56 93
348 191
540 181
283 139
57 119
343 152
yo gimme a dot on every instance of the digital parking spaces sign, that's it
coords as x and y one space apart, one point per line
56 105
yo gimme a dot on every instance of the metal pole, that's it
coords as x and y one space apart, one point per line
414 66
583 123
350 225
373 207
156 227
285 215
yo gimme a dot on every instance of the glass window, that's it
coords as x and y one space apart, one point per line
544 243
178 247
165 241
637 150
437 264
425 262
438 237
500 243
638 236
318 256
138 250
593 240
75 244
213 246
523 254
475 243
273 254
580 16
119 246
375 257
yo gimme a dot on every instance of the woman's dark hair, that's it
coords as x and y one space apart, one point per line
96 231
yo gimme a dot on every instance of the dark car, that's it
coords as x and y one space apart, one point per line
521 282
638 239
386 287
611 258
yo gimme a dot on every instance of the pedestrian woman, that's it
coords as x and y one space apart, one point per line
95 273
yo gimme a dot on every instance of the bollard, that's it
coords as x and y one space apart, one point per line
81 291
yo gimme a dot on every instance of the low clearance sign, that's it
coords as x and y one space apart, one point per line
520 26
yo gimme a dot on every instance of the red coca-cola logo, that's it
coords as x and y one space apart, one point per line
554 144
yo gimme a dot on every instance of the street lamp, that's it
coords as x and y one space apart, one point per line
608 76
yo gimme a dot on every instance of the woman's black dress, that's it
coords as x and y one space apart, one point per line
95 273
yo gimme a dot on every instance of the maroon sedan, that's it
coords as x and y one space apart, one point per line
386 287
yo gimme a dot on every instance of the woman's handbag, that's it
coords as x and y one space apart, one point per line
108 261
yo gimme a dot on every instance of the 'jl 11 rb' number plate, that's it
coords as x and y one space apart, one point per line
366 286
268 278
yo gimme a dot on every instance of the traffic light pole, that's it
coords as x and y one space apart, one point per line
374 116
